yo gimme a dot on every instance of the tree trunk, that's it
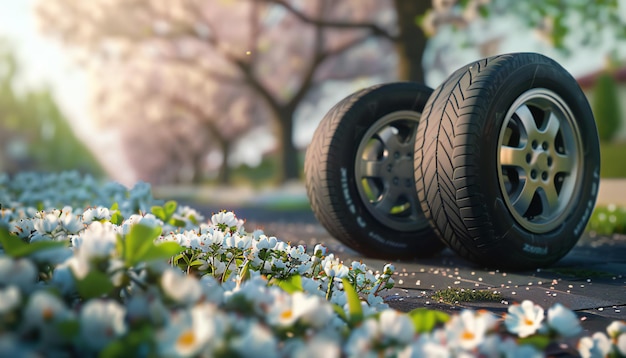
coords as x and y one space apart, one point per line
412 40
223 176
290 158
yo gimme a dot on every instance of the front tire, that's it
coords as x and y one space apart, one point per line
359 173
507 161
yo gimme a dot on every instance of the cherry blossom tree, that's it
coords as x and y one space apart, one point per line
250 48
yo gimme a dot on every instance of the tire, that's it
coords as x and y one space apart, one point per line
507 161
359 173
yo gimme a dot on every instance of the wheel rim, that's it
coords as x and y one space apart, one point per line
540 160
384 172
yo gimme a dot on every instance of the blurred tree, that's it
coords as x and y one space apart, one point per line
34 134
606 106
256 49
555 20
178 117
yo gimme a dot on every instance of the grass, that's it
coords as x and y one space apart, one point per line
455 295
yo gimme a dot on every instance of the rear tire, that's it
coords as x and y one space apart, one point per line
507 161
359 173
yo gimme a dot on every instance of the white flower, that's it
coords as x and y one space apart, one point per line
10 298
320 250
317 347
43 312
19 272
47 224
468 329
396 326
181 288
97 241
616 328
187 332
227 219
312 310
428 345
265 242
257 341
71 223
563 321
96 214
598 345
101 322
525 319
23 227
334 268
362 339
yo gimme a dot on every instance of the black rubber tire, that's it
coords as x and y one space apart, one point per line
333 187
459 161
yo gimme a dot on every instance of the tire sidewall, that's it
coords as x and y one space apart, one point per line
362 115
537 249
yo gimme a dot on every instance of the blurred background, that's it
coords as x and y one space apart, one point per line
229 92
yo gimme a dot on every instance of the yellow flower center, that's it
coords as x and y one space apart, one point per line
528 322
187 338
467 335
287 314
47 314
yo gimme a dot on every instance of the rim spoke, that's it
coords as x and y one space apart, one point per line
373 169
388 201
523 200
526 117
416 211
512 156
388 137
549 199
563 164
552 127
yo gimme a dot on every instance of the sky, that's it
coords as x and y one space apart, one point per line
44 61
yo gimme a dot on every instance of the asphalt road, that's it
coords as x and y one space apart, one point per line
591 279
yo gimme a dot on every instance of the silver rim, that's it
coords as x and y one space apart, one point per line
384 172
540 160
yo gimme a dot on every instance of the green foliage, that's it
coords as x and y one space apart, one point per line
291 284
426 320
608 220
612 159
606 107
354 304
454 295
34 134
139 245
13 246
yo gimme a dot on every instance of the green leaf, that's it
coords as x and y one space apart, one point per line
177 222
68 329
139 241
159 212
425 320
15 247
340 312
170 208
538 341
354 303
95 284
291 284
161 251
117 218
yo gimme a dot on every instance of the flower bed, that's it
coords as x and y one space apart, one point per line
89 269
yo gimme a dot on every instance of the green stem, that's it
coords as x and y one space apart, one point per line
329 292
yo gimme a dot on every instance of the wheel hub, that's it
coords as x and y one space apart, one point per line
540 160
384 172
